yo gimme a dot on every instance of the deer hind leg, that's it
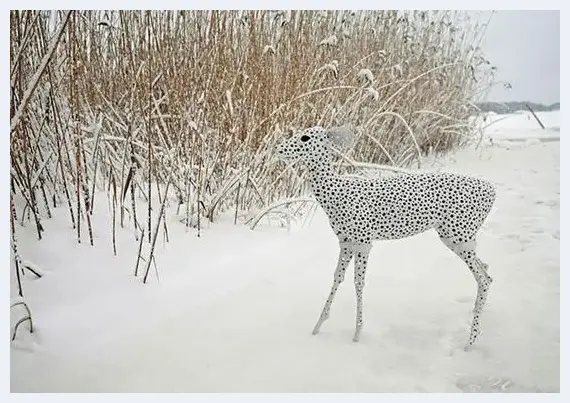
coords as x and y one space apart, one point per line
344 257
466 251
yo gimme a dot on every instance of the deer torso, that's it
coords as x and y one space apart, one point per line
361 210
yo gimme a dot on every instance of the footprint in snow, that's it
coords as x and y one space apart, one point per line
493 384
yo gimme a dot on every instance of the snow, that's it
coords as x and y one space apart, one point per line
522 126
233 310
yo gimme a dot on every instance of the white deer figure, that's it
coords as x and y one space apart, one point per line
361 210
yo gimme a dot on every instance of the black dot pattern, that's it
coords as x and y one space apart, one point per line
361 210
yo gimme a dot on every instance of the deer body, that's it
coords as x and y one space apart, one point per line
400 206
362 210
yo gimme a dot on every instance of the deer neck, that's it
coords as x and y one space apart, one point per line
321 174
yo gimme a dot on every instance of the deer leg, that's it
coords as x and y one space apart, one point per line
344 257
481 298
466 251
360 263
483 283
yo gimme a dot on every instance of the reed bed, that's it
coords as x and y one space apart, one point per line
182 109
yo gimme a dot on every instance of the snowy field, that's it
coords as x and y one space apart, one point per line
522 126
233 310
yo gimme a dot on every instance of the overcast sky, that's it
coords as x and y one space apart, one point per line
525 47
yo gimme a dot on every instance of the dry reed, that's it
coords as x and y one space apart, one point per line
91 91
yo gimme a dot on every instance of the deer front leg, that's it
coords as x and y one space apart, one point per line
344 257
360 263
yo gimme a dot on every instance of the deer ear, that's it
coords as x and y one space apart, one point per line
341 137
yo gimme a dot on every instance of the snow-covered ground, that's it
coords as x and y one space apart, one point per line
522 126
233 310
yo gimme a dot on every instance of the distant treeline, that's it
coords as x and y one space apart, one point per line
509 107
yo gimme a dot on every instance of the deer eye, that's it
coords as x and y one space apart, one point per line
305 138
